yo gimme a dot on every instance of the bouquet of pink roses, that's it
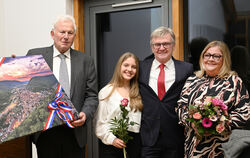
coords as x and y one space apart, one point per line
209 117
120 124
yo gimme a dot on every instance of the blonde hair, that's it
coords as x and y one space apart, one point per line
225 70
160 32
117 81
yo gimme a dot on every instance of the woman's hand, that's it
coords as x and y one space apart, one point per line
118 143
197 133
195 130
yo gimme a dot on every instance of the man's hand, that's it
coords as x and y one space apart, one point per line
81 120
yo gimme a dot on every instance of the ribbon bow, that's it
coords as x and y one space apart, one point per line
2 60
61 108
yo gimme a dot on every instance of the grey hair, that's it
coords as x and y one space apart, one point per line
64 17
162 31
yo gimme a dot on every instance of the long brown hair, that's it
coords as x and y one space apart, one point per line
117 81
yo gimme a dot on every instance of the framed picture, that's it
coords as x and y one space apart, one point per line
31 98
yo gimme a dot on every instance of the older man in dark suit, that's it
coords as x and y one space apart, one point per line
161 81
80 84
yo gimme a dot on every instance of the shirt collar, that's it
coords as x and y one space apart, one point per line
168 64
56 52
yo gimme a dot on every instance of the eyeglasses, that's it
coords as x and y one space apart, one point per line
214 56
165 45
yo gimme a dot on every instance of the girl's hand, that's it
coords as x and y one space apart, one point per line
118 143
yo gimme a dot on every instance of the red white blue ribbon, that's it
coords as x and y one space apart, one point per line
61 108
1 60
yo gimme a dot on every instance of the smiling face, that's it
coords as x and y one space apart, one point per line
128 69
163 48
63 35
212 61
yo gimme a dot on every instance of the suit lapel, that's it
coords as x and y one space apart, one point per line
177 76
177 71
145 73
73 58
48 56
146 67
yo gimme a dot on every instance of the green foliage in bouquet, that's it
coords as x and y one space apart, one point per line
209 117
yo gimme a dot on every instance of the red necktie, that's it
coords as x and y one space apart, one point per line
161 82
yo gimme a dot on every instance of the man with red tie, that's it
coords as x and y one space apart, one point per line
161 80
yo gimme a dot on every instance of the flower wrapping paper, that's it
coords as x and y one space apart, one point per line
27 88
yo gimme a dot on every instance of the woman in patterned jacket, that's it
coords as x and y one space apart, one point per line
214 79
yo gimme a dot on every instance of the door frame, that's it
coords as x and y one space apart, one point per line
104 6
83 41
92 8
176 11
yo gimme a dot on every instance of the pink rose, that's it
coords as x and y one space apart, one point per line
217 102
124 102
206 122
197 116
223 107
220 128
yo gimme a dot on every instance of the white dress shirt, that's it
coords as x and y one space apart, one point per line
169 74
57 61
109 109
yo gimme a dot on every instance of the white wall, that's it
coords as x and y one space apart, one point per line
2 41
26 24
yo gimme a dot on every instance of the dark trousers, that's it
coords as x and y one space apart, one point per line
133 148
162 150
58 142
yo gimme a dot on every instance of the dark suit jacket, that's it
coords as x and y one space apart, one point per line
158 116
83 92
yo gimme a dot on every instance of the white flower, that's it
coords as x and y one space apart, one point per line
223 118
213 118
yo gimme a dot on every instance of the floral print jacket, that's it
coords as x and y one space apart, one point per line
233 93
